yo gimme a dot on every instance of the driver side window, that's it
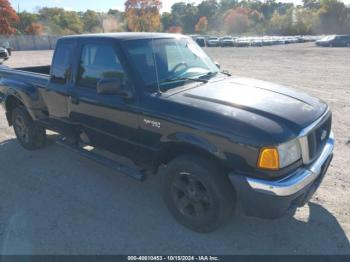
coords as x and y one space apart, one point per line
99 62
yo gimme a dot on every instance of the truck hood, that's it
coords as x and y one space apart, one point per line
256 101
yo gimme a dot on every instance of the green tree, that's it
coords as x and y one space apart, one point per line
71 23
281 24
26 20
116 13
256 21
175 30
226 5
311 4
119 19
334 17
167 21
307 21
92 21
208 9
143 15
58 21
185 16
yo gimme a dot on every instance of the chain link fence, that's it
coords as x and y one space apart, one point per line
30 42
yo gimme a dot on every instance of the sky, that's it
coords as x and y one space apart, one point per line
82 5
103 5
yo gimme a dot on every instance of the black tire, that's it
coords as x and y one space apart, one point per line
28 133
197 193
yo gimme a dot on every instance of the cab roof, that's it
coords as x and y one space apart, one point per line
125 36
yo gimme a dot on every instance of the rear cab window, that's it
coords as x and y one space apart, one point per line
61 66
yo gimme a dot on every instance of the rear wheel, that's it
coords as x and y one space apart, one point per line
197 193
29 134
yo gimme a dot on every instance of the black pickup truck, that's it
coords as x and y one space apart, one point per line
157 99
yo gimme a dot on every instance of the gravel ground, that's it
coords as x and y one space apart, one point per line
55 202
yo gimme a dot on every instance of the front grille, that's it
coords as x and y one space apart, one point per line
318 137
3 55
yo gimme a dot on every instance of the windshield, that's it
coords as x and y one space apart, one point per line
6 44
169 62
327 38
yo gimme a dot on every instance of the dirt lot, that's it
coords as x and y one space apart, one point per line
55 202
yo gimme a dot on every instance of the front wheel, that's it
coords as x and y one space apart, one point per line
197 193
28 133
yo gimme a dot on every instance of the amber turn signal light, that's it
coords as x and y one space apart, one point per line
269 158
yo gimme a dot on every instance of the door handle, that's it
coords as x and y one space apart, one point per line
74 100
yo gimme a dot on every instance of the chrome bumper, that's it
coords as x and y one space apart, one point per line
298 179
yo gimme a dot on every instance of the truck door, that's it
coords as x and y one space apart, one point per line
107 120
56 93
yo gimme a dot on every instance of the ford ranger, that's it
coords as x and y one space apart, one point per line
217 140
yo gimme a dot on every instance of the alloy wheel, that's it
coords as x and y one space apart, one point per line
190 196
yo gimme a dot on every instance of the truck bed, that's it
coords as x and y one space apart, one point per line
35 76
45 70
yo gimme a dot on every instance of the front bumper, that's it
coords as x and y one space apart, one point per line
271 199
3 54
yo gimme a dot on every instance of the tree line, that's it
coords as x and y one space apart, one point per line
210 16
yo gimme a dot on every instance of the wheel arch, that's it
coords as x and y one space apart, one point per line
12 101
171 150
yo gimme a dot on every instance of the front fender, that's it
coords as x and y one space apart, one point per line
195 141
181 143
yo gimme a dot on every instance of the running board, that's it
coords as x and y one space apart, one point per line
128 170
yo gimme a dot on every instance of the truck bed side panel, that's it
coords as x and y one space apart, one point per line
27 88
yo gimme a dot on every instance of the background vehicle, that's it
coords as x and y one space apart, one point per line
7 46
213 42
334 41
256 42
226 41
3 54
200 41
160 101
242 42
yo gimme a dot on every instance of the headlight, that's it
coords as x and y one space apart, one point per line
274 158
289 152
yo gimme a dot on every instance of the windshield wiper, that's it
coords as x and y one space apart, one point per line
172 80
209 74
225 72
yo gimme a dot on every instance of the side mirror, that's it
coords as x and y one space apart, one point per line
112 86
217 64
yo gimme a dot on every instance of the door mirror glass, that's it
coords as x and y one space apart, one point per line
112 86
109 86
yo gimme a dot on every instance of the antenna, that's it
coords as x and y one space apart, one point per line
156 68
